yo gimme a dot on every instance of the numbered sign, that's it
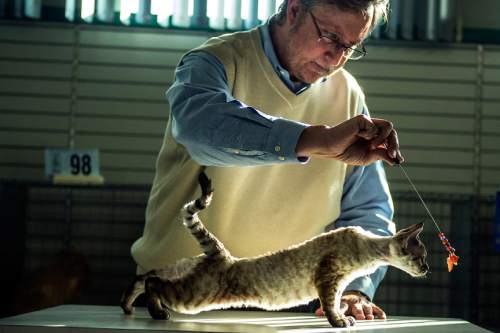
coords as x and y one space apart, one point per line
72 162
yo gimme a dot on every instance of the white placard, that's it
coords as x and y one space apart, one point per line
72 162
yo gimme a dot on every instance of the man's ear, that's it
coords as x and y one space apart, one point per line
292 10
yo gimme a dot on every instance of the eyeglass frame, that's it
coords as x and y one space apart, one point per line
338 44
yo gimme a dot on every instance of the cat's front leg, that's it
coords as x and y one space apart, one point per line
329 297
327 282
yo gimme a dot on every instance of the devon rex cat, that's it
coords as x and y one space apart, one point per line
320 267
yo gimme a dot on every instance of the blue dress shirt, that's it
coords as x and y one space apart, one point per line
204 121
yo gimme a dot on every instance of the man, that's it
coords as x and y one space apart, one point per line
274 120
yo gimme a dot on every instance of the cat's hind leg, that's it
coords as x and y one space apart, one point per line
154 289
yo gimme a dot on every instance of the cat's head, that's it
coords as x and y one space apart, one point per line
407 252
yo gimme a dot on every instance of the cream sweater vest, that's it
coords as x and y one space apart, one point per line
255 209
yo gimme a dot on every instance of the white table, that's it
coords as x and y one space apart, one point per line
96 319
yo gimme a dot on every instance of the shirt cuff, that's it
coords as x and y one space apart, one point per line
363 284
283 139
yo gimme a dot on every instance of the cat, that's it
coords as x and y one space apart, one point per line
320 267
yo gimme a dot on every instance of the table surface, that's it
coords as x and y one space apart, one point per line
93 318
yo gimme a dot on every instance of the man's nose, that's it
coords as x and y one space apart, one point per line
334 57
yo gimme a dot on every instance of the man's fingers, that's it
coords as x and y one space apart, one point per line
386 137
400 157
319 312
367 309
366 128
393 146
385 128
381 154
357 311
344 307
378 312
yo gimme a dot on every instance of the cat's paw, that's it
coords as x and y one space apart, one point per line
126 309
351 320
159 314
342 321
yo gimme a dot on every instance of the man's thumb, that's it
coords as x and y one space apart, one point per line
343 307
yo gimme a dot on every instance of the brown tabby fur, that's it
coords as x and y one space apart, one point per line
320 267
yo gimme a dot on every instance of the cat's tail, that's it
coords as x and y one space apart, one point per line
210 245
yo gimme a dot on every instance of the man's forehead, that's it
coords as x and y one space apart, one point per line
346 38
349 26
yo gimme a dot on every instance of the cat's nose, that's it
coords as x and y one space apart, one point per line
424 268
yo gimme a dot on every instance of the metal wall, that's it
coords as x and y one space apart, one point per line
103 87
92 87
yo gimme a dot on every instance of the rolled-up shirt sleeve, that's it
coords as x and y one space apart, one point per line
218 129
367 203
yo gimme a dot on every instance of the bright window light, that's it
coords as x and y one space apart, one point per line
231 7
127 7
245 5
162 7
191 7
69 10
88 9
262 10
212 6
215 13
232 12
163 10
183 10
278 4
267 8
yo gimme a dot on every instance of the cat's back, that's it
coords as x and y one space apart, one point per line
180 268
344 235
278 279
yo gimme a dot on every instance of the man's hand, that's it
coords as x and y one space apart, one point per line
355 304
358 141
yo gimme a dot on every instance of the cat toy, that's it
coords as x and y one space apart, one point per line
452 259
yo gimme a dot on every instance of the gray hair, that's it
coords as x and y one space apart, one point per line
381 8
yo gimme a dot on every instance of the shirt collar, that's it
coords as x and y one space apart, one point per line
283 74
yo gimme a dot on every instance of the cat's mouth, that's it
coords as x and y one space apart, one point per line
424 269
419 271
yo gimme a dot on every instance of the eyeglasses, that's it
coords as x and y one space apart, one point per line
354 52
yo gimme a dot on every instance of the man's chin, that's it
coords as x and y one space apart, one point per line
311 77
314 77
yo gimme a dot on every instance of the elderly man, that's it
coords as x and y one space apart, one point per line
274 120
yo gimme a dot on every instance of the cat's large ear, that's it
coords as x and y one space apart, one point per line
405 236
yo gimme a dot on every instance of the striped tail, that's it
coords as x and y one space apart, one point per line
210 245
